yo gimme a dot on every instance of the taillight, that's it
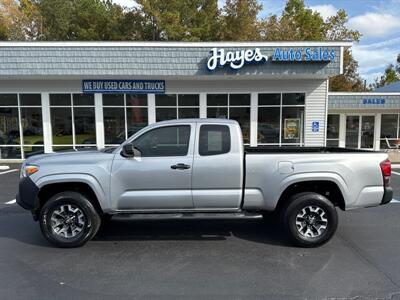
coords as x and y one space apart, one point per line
386 168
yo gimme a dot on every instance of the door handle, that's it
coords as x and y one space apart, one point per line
180 167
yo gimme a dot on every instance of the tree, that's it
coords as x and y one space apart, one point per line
3 29
390 76
19 20
297 23
239 20
57 16
32 26
138 26
350 80
398 64
180 20
81 20
335 30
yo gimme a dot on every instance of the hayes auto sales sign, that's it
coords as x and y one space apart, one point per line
219 57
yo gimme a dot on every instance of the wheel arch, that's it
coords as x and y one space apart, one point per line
327 187
86 185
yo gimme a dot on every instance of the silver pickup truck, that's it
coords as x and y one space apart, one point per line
200 168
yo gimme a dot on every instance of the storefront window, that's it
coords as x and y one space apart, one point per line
293 99
30 99
281 119
269 116
21 133
32 130
389 130
172 106
61 123
333 131
31 124
9 132
268 125
231 106
73 121
123 115
8 100
84 126
9 126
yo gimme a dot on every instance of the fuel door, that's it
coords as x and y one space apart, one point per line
285 167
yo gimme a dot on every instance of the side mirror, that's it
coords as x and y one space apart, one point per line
128 150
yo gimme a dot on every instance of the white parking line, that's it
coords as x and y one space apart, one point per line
9 171
4 167
395 201
12 201
396 173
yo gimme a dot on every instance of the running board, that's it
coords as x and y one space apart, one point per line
166 216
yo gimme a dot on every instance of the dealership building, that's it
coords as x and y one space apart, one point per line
72 95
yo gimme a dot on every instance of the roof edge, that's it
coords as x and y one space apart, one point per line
173 44
363 93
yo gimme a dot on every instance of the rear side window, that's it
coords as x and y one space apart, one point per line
214 140
164 141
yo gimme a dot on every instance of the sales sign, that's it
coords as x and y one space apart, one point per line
368 101
123 86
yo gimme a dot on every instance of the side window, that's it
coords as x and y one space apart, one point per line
164 141
214 139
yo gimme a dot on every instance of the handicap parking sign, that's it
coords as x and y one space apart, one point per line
315 126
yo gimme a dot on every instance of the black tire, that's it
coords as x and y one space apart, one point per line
318 213
88 216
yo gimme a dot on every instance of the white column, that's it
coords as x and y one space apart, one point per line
377 132
326 111
151 111
98 108
203 105
342 130
47 132
253 119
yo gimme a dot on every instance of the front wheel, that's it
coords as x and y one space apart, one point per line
68 219
310 219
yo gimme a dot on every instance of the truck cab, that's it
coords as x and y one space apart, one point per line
180 165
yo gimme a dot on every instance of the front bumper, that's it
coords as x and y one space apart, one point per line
27 196
387 195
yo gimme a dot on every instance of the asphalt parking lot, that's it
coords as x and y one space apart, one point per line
233 259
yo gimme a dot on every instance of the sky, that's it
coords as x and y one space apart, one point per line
377 20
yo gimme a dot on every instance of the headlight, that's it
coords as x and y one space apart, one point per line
27 170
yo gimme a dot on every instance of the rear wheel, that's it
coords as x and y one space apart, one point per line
69 219
310 219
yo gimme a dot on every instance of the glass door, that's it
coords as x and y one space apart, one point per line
360 131
352 131
367 132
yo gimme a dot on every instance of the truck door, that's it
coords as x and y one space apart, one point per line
218 167
160 178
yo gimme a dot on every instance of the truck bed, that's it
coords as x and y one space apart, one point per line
297 149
